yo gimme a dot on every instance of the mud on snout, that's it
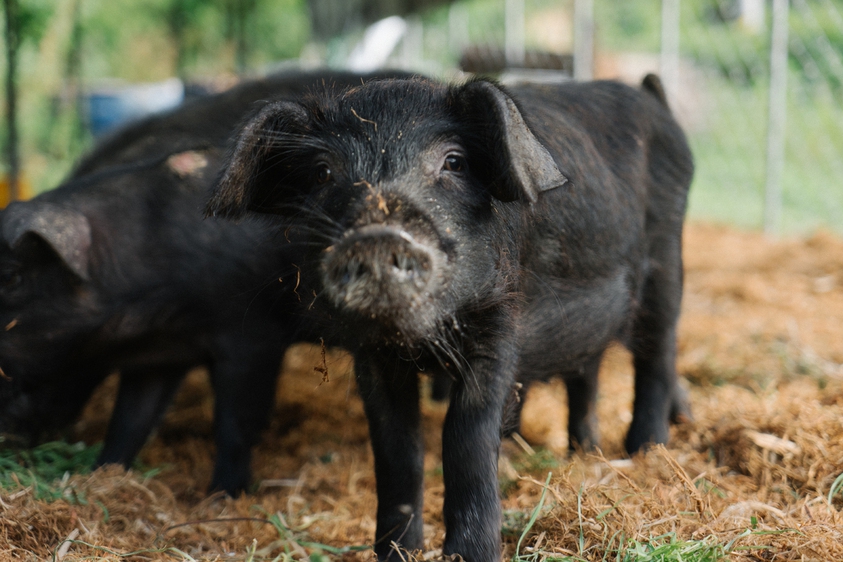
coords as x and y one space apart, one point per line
388 276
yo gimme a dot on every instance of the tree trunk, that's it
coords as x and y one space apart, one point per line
12 41
177 17
238 13
245 8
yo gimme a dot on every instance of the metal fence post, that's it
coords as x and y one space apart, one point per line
583 39
514 33
458 36
669 59
412 48
777 114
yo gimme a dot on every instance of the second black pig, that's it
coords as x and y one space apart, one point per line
476 233
117 270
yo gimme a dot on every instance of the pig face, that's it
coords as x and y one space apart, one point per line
396 190
46 306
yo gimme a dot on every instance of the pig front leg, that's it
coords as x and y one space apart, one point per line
470 448
142 398
389 388
244 378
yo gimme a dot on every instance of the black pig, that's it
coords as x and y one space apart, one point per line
476 233
117 270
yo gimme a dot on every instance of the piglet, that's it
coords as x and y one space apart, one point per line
481 234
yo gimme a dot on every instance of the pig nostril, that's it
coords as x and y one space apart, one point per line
405 266
402 263
353 271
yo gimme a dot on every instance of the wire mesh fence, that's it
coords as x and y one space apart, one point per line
768 143
739 106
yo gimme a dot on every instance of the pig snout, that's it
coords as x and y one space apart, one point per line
379 271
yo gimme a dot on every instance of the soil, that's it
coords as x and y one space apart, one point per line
761 351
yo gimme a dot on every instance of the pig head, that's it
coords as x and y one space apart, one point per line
45 249
399 215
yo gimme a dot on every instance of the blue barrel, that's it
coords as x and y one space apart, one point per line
113 105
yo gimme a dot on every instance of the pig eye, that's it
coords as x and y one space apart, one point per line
9 279
323 172
455 163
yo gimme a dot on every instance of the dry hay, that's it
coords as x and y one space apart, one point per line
761 343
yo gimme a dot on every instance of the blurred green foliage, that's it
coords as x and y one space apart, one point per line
713 36
33 17
72 44
154 39
68 46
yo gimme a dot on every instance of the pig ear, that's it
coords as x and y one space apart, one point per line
519 166
246 179
66 231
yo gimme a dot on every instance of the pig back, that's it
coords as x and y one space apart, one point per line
589 245
210 121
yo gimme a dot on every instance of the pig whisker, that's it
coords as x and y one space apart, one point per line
295 211
453 361
293 228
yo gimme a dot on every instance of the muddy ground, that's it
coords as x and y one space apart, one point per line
761 349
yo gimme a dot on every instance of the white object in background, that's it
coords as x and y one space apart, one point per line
378 42
158 96
412 47
776 117
754 15
517 76
457 28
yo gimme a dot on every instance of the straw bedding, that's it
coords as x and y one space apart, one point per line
761 349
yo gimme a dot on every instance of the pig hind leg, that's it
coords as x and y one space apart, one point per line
142 398
583 432
581 386
658 396
244 389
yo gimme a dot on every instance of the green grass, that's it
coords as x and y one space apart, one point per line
288 548
662 548
836 488
318 551
532 521
46 468
730 143
541 461
667 548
